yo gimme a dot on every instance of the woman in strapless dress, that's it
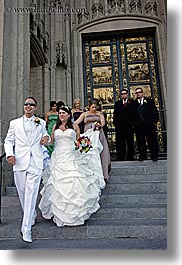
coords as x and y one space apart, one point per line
51 118
76 112
90 117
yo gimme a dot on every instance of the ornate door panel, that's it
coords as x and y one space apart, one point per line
113 63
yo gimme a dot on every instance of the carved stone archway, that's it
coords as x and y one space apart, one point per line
37 54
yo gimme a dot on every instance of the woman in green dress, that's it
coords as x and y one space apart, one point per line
51 118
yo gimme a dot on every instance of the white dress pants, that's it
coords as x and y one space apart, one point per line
27 183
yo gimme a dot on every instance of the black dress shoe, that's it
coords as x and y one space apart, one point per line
155 159
141 159
109 168
106 180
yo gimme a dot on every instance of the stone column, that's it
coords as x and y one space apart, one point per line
16 68
23 58
16 65
68 70
78 84
76 50
46 86
52 57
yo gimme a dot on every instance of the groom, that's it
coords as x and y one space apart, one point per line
24 150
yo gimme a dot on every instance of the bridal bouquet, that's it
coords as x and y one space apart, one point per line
83 144
96 126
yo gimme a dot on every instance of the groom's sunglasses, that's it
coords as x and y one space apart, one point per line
30 104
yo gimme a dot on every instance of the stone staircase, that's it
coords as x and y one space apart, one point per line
133 215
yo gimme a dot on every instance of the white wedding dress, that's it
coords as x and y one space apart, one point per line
72 181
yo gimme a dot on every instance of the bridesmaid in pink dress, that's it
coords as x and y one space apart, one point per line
90 117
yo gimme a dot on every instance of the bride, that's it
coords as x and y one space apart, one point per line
72 181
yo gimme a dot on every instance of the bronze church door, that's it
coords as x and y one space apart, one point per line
122 61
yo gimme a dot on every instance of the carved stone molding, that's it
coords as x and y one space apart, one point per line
151 8
97 10
67 14
136 6
61 53
36 50
83 16
116 7
33 22
40 25
37 26
46 40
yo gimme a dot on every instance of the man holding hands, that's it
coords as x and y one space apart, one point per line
24 150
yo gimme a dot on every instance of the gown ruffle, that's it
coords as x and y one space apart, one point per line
72 181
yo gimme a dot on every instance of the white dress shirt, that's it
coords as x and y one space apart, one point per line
29 126
140 101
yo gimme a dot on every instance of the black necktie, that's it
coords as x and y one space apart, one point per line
141 118
124 103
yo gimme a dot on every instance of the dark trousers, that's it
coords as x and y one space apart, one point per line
147 134
125 144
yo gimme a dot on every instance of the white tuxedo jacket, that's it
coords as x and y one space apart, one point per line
16 144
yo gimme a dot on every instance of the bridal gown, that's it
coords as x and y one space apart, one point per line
72 181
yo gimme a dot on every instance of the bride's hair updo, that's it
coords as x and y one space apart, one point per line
69 123
65 108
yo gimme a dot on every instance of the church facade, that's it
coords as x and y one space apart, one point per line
67 49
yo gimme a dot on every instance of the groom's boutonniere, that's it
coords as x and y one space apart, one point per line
145 101
37 121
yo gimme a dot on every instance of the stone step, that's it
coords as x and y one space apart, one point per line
133 214
130 171
127 222
135 163
46 229
83 244
137 170
10 201
135 178
118 179
135 187
111 212
125 198
137 199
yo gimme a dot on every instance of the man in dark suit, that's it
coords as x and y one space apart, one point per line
123 122
146 118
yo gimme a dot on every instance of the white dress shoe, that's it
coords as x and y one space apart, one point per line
27 237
